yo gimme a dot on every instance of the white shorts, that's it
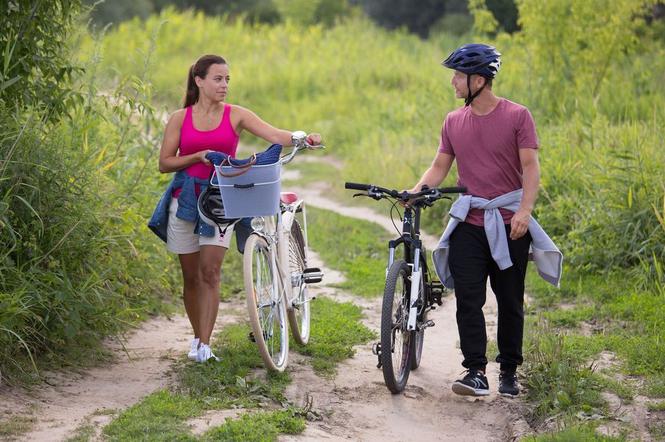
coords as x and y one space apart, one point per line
181 239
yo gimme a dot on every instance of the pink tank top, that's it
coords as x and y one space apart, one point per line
221 139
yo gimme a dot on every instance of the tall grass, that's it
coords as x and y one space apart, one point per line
76 260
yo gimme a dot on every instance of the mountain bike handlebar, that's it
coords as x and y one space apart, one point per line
378 192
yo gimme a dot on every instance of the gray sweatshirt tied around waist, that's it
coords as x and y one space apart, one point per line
543 252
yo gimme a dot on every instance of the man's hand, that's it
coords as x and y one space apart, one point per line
519 223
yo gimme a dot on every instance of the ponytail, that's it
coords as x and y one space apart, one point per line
199 69
192 93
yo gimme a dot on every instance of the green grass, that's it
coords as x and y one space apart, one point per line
575 433
558 379
159 417
357 248
656 406
15 426
336 328
259 427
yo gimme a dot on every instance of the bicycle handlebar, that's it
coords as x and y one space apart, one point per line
376 191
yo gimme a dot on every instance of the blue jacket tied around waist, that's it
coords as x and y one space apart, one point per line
187 206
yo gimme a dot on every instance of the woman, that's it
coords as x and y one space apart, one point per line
206 123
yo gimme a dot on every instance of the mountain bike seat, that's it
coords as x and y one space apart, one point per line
288 197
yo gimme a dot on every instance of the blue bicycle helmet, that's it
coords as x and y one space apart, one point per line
475 58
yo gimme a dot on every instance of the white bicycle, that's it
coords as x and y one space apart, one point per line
276 274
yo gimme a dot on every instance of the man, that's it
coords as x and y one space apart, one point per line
495 145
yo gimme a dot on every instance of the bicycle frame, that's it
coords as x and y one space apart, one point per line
412 255
276 231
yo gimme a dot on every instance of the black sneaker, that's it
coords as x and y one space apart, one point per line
473 384
508 383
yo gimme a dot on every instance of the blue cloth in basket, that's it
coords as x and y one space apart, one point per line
269 156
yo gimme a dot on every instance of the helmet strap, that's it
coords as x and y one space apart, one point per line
469 96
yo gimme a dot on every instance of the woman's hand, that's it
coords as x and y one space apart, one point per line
202 156
313 139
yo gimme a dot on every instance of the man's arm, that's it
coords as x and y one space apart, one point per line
436 173
530 182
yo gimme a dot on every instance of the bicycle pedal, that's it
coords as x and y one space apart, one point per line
426 324
251 337
376 349
312 275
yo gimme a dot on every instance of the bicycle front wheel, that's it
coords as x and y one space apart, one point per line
298 311
396 343
265 304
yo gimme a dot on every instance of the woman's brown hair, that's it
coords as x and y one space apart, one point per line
199 69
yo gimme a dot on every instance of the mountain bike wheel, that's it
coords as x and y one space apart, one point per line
265 304
396 345
419 336
298 311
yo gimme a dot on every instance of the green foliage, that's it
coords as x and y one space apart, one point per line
570 55
34 68
75 252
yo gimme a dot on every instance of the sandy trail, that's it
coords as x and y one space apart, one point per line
142 367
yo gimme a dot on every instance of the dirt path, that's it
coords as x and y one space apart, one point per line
355 405
142 367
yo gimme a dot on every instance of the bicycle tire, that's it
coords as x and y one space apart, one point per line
395 355
298 311
419 336
267 316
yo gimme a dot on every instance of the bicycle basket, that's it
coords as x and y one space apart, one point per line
253 193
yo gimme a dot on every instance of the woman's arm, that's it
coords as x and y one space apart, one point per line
255 125
169 161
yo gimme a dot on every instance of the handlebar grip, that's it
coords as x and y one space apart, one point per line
452 189
356 186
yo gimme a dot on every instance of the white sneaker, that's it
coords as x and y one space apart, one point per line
193 349
205 354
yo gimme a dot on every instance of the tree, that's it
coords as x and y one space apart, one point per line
417 15
35 69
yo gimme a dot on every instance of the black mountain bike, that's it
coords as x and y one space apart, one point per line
410 292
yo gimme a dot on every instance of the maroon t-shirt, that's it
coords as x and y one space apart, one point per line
486 148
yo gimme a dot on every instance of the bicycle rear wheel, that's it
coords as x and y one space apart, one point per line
265 304
298 311
396 345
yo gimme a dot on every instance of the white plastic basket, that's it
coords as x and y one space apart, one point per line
253 193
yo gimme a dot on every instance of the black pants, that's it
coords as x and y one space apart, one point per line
470 264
